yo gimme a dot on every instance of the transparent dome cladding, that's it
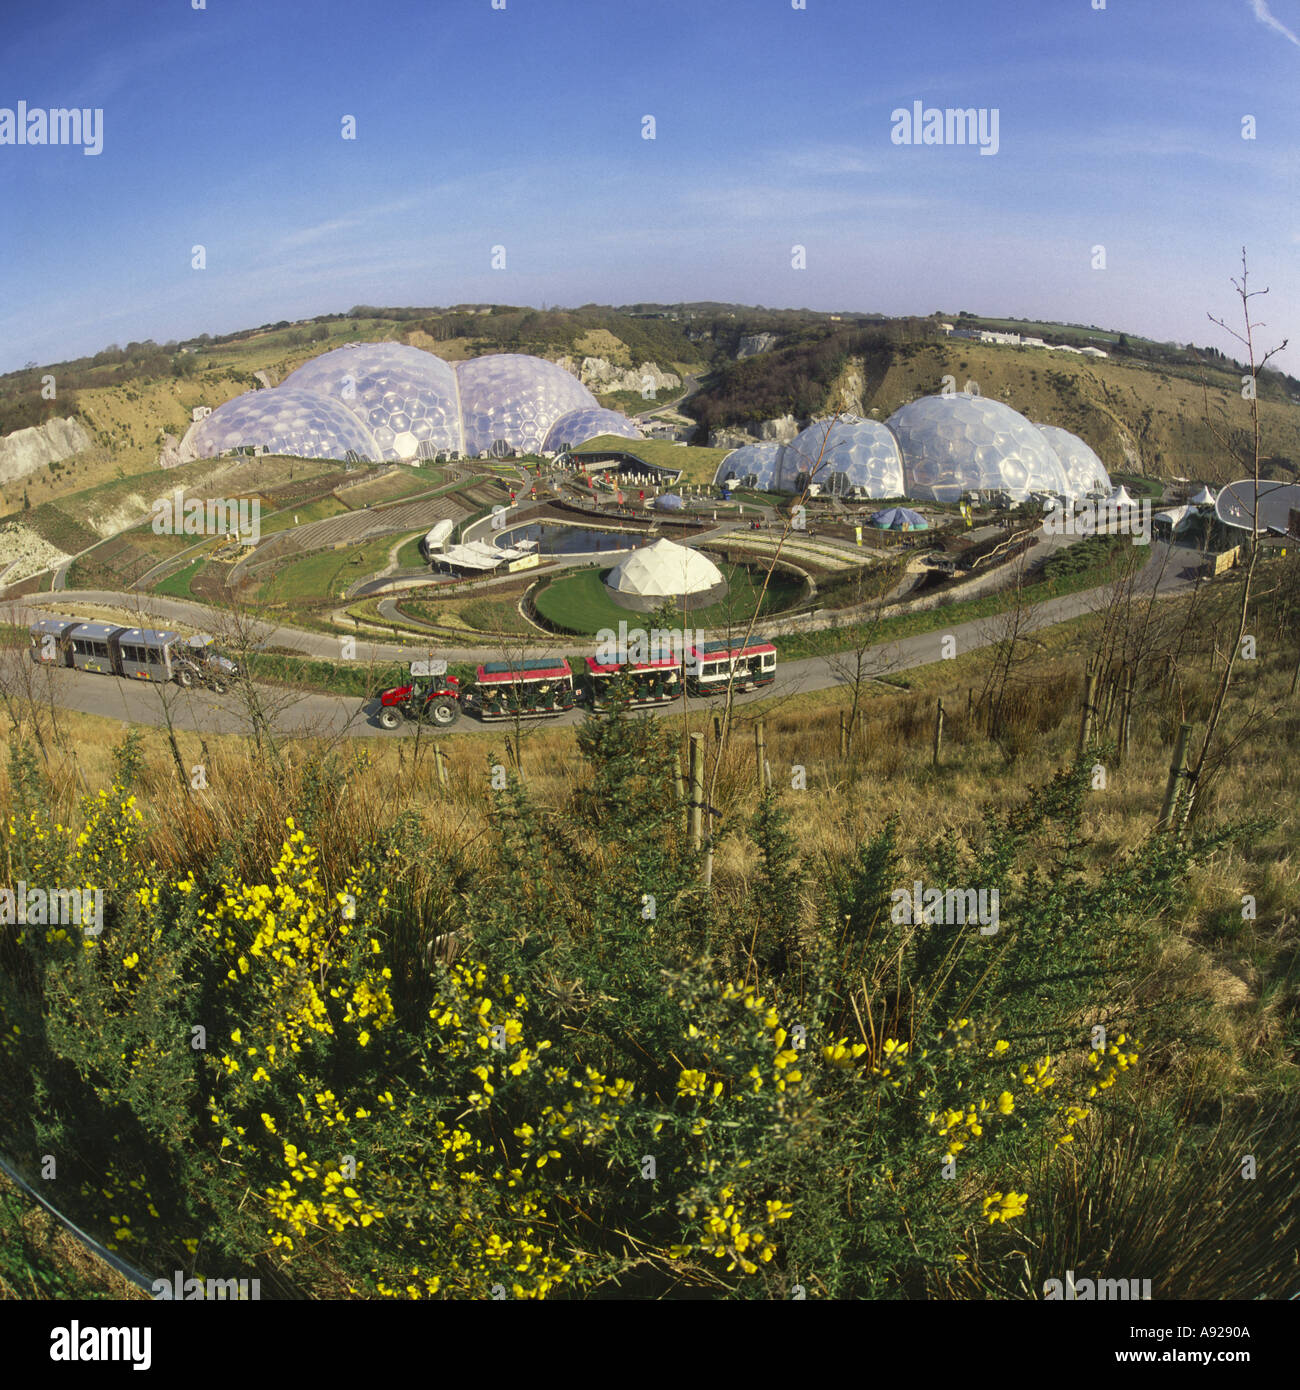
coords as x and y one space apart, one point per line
847 453
407 397
390 401
752 465
1084 471
574 429
961 443
304 424
516 399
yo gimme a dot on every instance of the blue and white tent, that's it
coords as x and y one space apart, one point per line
900 519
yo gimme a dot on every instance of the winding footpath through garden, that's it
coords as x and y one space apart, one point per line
1170 571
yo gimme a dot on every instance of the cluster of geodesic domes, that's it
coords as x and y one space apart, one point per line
390 401
934 449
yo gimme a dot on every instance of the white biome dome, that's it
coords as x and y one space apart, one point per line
303 424
512 400
663 570
407 397
962 443
752 465
1084 471
842 454
574 429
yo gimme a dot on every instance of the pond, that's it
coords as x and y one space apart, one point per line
558 539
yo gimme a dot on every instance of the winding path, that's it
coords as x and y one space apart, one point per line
1168 572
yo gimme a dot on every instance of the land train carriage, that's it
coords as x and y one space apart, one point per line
649 682
503 690
90 646
711 666
143 654
50 646
148 654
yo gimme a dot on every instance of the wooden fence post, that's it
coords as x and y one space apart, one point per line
440 764
1175 772
760 750
844 736
697 791
938 731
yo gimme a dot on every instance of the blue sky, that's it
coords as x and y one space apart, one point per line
522 128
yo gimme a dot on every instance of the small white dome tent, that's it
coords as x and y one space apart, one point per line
643 579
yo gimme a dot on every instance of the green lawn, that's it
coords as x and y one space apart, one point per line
325 574
409 555
580 603
177 585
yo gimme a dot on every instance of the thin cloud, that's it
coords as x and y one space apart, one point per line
1270 20
830 160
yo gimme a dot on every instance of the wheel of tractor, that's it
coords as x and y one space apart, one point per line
184 678
444 712
389 717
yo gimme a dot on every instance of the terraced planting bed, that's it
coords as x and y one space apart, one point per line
826 557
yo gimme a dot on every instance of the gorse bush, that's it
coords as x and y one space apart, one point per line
621 1083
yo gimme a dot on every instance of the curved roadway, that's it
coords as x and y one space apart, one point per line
1167 573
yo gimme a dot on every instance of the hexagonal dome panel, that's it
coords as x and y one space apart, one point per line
574 429
850 452
304 424
752 465
515 399
1084 471
960 443
393 388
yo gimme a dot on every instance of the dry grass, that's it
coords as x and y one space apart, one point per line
1240 973
39 1258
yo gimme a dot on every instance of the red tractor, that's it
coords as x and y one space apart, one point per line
434 699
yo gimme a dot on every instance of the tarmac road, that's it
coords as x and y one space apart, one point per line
319 715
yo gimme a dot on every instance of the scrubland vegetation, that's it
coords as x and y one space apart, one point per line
364 1035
